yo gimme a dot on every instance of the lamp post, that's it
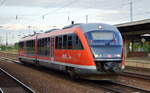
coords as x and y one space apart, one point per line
131 10
86 17
6 40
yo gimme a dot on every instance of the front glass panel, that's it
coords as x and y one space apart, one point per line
105 43
102 35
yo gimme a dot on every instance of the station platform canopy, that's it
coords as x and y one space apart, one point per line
135 27
136 35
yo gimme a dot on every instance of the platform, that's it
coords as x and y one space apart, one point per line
142 62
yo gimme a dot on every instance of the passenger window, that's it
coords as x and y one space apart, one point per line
65 42
60 42
56 42
78 44
70 45
44 47
47 45
21 45
30 47
70 41
39 46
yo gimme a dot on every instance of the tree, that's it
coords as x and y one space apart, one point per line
1 41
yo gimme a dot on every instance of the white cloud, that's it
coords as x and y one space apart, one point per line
30 13
63 3
14 27
35 3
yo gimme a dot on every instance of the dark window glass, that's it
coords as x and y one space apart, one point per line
78 44
21 45
65 42
44 47
39 44
102 35
60 42
70 45
70 41
30 47
47 46
56 42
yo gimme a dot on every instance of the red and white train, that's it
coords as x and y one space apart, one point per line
88 50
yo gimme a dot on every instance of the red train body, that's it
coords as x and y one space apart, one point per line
80 49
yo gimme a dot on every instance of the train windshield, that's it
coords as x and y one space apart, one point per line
102 35
105 43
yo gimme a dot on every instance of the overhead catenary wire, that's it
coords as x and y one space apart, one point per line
122 5
55 10
68 4
75 2
58 9
111 7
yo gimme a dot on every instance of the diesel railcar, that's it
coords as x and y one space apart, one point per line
84 50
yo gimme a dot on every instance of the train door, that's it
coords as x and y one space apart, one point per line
52 48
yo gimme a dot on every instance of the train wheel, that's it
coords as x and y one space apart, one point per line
22 61
72 74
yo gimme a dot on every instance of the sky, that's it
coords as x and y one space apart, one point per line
19 18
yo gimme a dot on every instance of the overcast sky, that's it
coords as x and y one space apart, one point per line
21 17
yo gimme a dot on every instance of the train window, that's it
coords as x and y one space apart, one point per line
65 42
47 46
39 46
77 43
30 47
44 47
56 42
60 42
69 41
21 45
102 35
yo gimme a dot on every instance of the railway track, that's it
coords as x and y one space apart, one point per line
108 85
10 84
115 87
132 74
1 91
122 88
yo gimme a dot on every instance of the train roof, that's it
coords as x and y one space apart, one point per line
30 37
85 28
93 26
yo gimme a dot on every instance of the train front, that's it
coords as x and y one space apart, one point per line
106 45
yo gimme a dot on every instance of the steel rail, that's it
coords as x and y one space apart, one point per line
116 87
133 87
15 61
28 89
132 74
106 87
147 77
1 91
111 89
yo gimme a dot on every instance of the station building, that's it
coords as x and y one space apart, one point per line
136 36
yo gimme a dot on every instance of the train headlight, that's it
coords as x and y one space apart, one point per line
96 55
100 27
117 55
